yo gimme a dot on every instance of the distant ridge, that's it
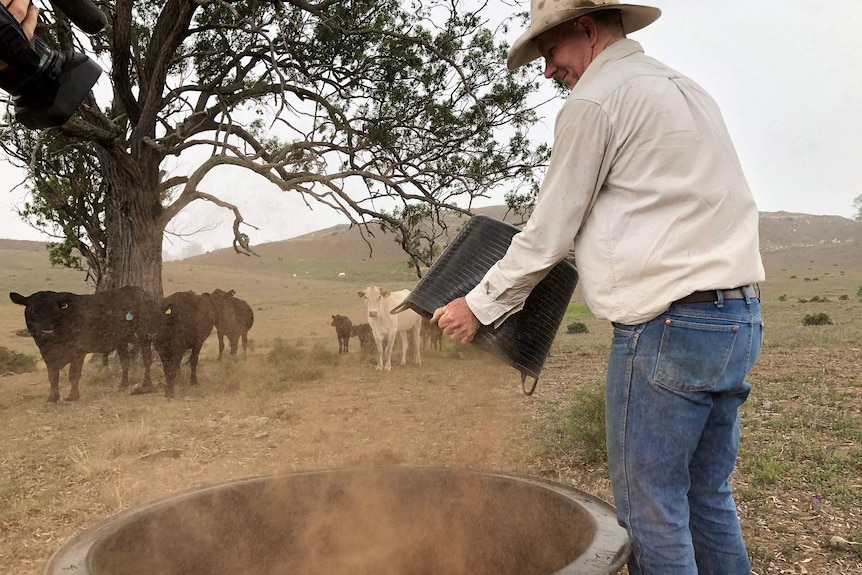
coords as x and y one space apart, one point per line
786 230
778 231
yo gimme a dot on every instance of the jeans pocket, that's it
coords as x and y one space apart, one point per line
693 356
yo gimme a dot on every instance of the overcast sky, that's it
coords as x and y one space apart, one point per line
787 76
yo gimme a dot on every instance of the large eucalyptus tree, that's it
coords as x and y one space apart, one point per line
369 107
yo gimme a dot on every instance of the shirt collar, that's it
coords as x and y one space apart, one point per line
616 51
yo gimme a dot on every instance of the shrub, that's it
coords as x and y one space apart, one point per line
283 353
817 319
844 297
585 421
294 364
859 292
14 362
321 354
577 327
782 297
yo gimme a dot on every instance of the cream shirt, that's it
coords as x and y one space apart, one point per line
645 186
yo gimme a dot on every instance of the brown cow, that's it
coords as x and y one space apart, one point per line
365 335
343 328
233 318
432 333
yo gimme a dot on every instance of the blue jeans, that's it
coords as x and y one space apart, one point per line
674 387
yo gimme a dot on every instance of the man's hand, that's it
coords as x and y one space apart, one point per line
25 13
456 319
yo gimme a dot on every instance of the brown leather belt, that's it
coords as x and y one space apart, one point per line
712 295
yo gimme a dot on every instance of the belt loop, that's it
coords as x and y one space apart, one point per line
746 292
719 302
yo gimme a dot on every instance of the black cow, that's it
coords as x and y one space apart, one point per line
343 330
365 335
233 318
182 321
68 326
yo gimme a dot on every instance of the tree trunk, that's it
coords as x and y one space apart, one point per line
133 236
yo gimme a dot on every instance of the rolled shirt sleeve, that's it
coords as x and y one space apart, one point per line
580 162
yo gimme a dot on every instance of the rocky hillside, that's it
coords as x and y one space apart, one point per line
785 230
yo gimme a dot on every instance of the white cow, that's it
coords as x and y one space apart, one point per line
385 326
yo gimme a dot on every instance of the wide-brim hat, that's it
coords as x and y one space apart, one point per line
545 14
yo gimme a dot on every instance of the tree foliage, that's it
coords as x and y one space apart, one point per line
372 108
857 205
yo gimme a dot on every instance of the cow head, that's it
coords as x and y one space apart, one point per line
46 312
372 295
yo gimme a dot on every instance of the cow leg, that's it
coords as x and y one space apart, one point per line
390 343
146 386
220 336
147 361
380 343
123 354
54 380
346 344
234 344
417 338
75 368
404 346
193 362
171 366
244 343
172 370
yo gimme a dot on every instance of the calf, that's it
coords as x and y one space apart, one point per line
67 326
365 335
343 329
233 318
386 326
183 321
431 333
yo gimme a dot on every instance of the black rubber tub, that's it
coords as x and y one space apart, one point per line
379 521
525 338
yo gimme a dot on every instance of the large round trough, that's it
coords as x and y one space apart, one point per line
367 521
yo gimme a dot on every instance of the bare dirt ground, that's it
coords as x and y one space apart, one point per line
64 467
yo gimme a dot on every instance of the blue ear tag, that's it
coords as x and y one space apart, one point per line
129 316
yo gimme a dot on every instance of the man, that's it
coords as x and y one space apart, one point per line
644 184
25 13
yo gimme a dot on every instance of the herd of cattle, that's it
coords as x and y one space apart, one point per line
67 326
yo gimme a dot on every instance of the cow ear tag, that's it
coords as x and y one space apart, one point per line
168 311
129 316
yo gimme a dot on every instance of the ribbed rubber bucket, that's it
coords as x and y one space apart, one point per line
525 338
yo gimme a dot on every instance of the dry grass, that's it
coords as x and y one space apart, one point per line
65 466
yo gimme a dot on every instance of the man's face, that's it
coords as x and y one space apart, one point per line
567 52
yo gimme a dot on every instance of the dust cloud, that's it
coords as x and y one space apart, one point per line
365 521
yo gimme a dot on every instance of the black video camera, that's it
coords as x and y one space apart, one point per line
47 86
